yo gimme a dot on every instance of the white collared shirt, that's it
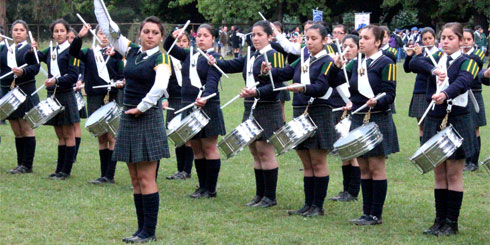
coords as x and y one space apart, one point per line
320 54
455 55
375 56
265 49
63 46
288 46
385 47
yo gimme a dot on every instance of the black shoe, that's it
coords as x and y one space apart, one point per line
449 228
15 170
208 194
337 197
300 211
360 219
471 167
185 175
266 203
61 176
127 239
314 211
370 220
434 229
137 239
174 176
20 170
197 193
96 181
347 197
106 180
254 201
52 175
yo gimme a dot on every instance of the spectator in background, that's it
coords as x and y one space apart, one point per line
223 39
235 41
480 39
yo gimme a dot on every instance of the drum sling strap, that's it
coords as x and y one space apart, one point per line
344 115
251 116
12 85
448 110
308 106
367 117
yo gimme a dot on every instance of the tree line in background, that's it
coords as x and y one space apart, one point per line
394 13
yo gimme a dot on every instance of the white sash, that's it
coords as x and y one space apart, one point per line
193 75
101 66
11 59
363 81
250 80
462 99
53 65
177 69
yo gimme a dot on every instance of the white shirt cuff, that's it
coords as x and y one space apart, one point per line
158 90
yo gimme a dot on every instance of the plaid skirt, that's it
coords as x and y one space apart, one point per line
393 108
216 125
284 95
418 105
479 119
141 139
70 114
387 127
460 123
94 102
175 103
267 114
325 135
28 104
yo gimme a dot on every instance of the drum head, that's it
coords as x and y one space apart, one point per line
355 134
6 97
100 113
175 122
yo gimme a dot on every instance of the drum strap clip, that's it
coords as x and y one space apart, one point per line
308 106
12 85
344 115
107 96
251 116
367 117
448 110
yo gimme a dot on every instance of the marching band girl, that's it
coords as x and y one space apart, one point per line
63 74
377 74
199 76
316 76
98 72
455 73
11 58
267 113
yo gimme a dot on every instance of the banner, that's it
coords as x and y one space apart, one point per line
317 15
362 20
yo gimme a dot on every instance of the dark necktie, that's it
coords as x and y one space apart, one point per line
140 56
449 59
312 58
368 62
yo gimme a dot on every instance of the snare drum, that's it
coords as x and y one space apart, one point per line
104 120
342 128
188 127
359 141
486 165
246 133
11 102
80 100
437 149
43 112
293 133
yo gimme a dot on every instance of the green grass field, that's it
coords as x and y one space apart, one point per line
36 210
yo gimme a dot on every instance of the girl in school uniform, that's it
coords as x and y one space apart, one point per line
11 58
200 80
351 173
267 113
183 154
451 106
317 74
98 72
376 75
63 74
479 118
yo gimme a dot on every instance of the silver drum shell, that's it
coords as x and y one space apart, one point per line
437 149
104 120
80 100
11 102
486 165
43 112
244 134
191 125
293 133
359 141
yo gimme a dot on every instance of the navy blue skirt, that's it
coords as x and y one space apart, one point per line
418 105
325 135
174 103
216 125
30 102
70 114
94 102
267 114
480 118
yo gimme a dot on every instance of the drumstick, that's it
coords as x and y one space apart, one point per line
75 88
192 104
379 96
44 72
5 37
338 109
105 86
238 96
169 109
33 48
12 72
43 85
270 72
215 66
91 31
290 86
432 103
342 58
177 38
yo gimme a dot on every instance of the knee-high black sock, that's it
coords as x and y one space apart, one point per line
140 215
367 195
270 180
61 158
19 146
454 201
188 159
259 182
201 172
111 165
103 162
440 196
69 159
476 155
150 209
321 188
180 157
355 181
420 139
29 151
213 167
77 146
309 187
346 174
236 55
380 187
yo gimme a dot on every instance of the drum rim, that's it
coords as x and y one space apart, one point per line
111 106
